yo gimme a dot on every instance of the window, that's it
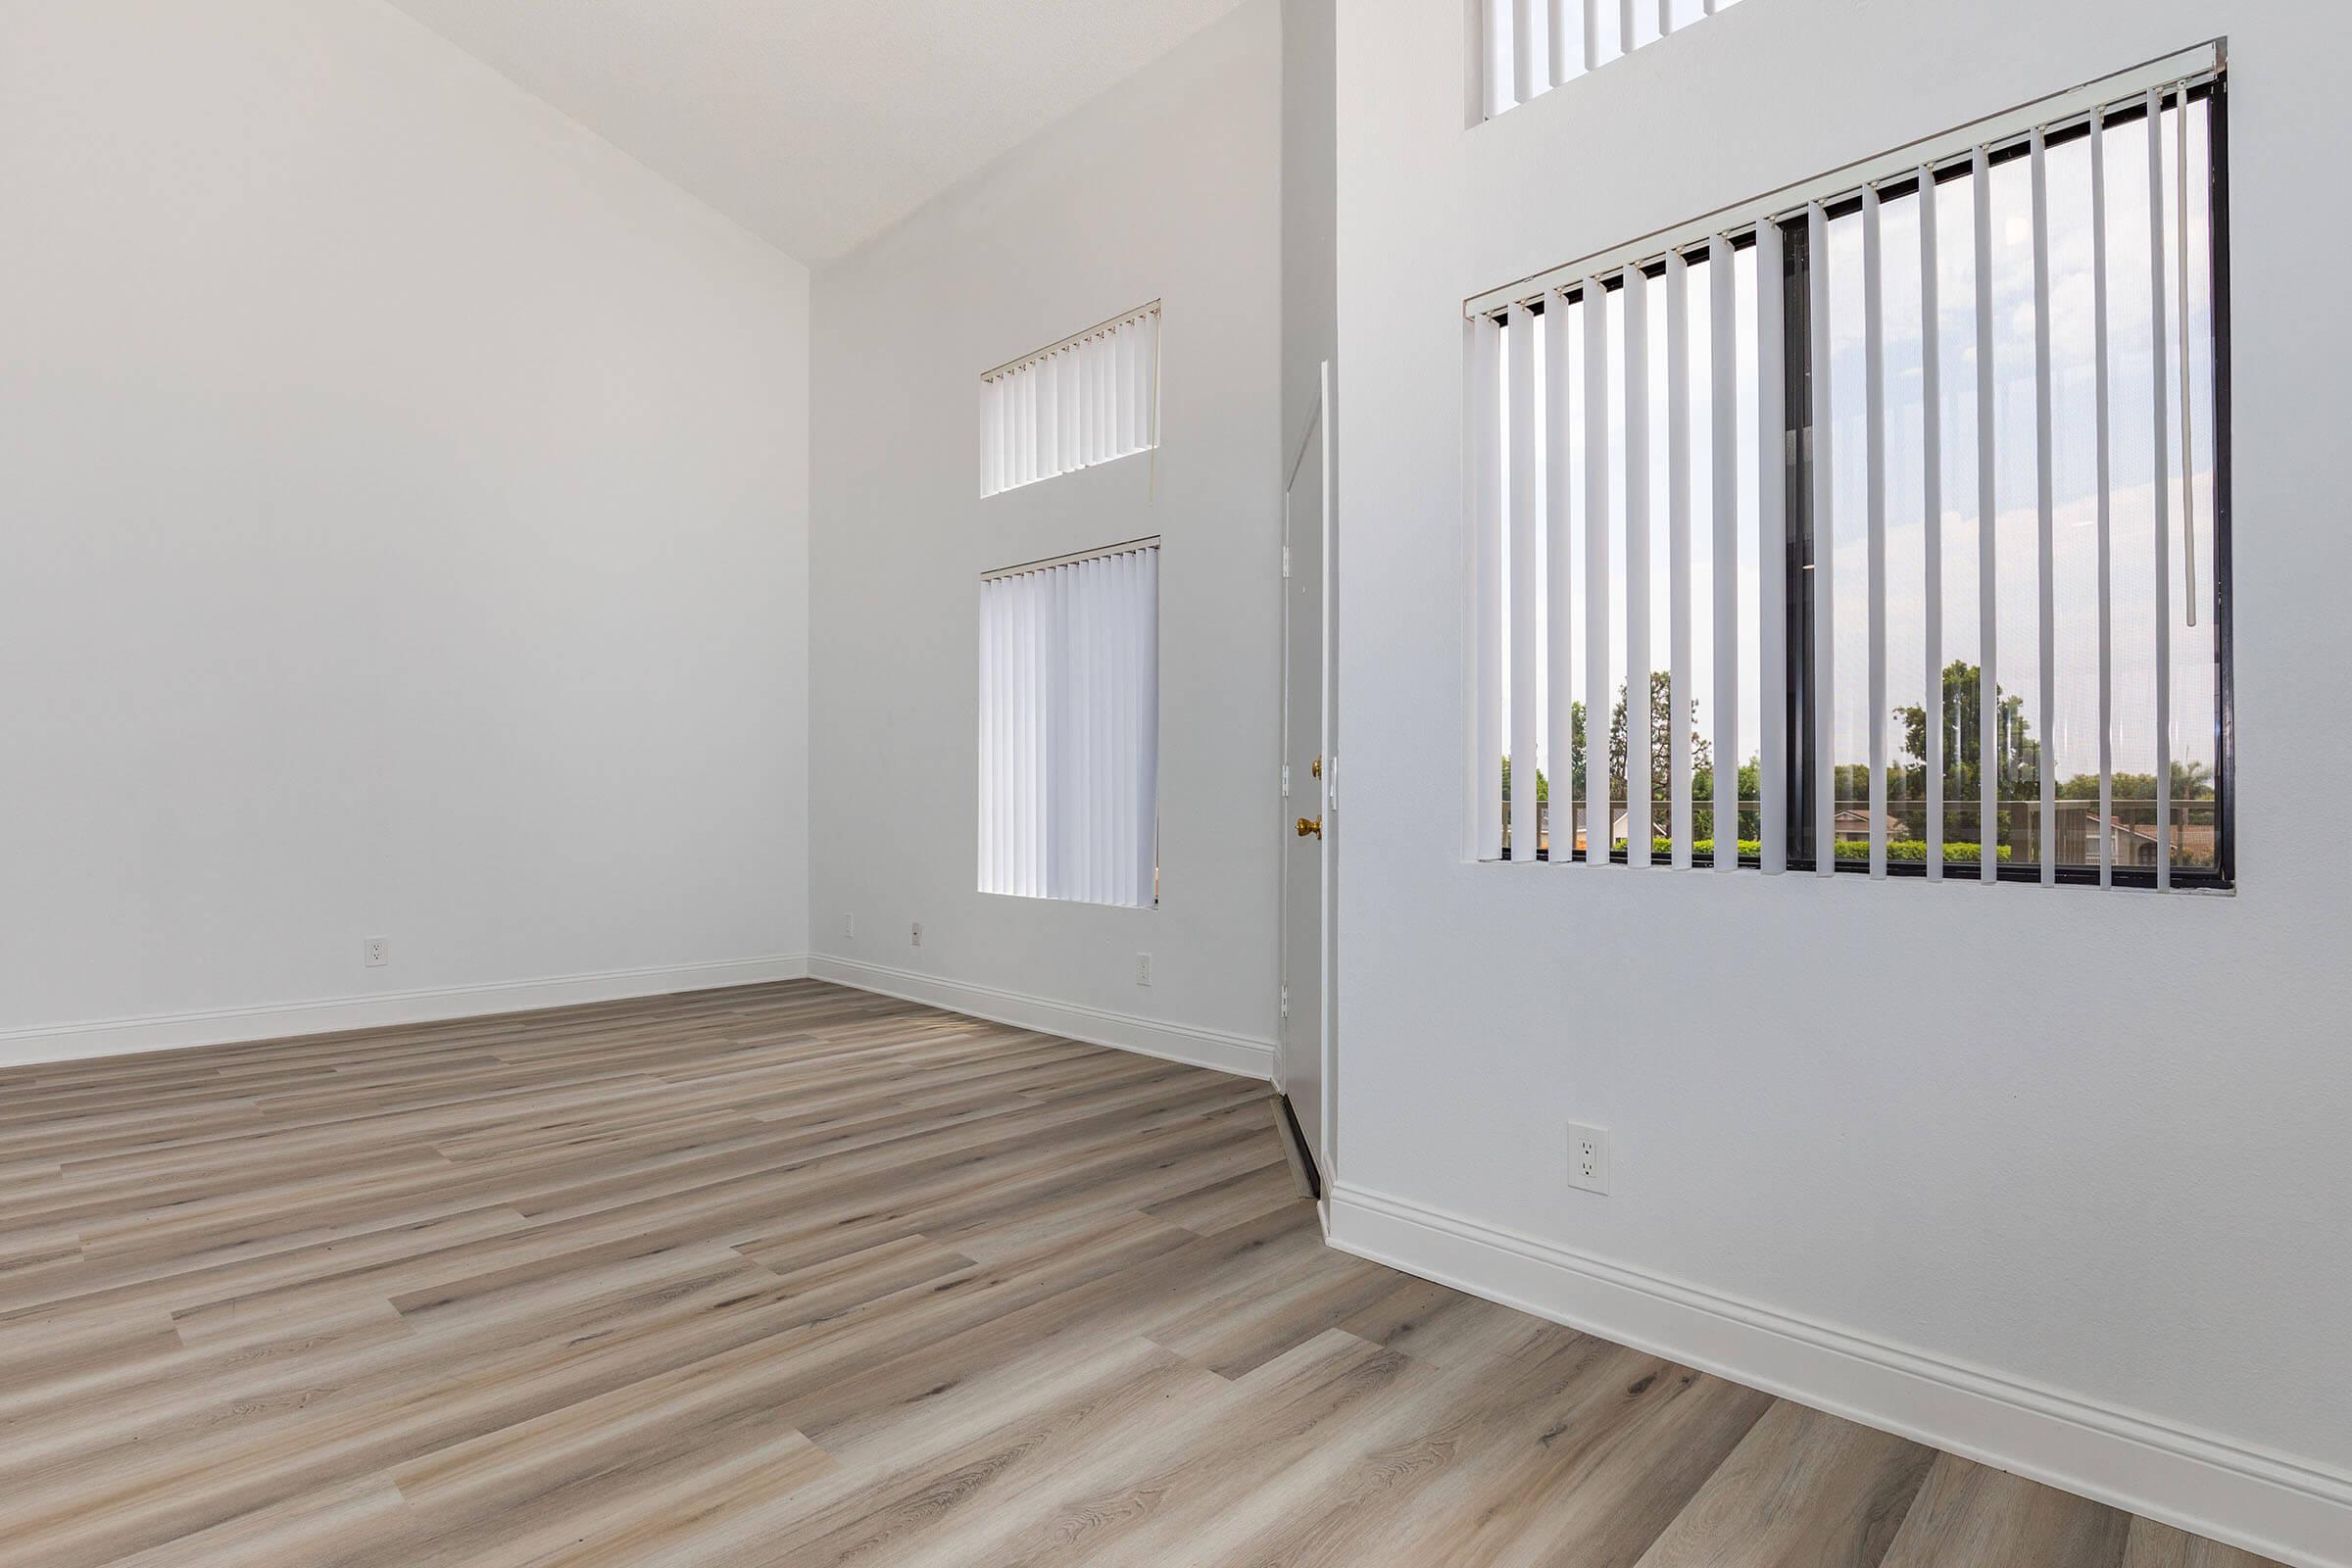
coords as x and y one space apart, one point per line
1086 400
1905 503
1532 46
1070 728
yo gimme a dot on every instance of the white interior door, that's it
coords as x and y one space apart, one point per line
1310 824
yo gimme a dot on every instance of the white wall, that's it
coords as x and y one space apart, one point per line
2056 1177
1168 187
1310 215
404 534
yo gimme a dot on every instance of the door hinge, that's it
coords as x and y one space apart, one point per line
1286 781
1286 1000
1331 782
1286 560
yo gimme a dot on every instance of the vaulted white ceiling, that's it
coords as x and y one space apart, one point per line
815 123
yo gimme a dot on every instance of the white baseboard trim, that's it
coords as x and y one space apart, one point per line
1152 1036
175 1031
2265 1502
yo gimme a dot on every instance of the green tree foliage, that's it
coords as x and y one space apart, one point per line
2191 781
2017 761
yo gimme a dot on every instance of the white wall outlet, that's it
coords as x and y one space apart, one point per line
376 952
1142 969
849 928
1589 1157
915 934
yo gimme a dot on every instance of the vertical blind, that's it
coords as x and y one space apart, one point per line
1880 532
1086 400
1532 46
1069 729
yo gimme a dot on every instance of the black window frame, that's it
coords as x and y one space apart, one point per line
1799 783
1796 335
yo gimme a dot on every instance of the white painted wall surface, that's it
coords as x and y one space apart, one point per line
403 533
2081 1154
1309 210
1168 186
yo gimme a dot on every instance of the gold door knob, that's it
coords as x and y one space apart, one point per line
1317 767
1311 824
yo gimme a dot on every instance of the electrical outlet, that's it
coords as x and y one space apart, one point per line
1142 969
1589 1157
916 935
376 952
849 928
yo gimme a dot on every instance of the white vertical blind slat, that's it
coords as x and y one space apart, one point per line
1822 772
2102 480
1593 309
1625 46
1931 387
1723 427
2045 553
1638 818
1151 382
1678 545
1056 440
1140 330
1007 434
1146 784
988 436
1122 391
1526 585
1117 711
1873 440
1989 748
1525 64
1771 550
2158 338
1496 67
1559 688
1486 350
1029 423
1591 39
1555 38
984 748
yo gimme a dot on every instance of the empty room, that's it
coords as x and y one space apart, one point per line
853 785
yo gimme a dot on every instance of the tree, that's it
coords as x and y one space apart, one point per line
1661 739
2191 781
2018 756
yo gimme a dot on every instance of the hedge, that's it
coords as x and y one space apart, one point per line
1847 849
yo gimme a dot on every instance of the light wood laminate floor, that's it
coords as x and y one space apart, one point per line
800 1275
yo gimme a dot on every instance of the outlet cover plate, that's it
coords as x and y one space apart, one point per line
1588 1157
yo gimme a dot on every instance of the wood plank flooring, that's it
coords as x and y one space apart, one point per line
800 1275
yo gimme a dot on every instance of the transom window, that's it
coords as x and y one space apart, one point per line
1091 398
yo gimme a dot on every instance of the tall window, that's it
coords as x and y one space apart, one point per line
1886 531
1531 46
1088 399
1070 728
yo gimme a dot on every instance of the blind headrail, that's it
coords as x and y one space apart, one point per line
2190 69
1071 559
1151 308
